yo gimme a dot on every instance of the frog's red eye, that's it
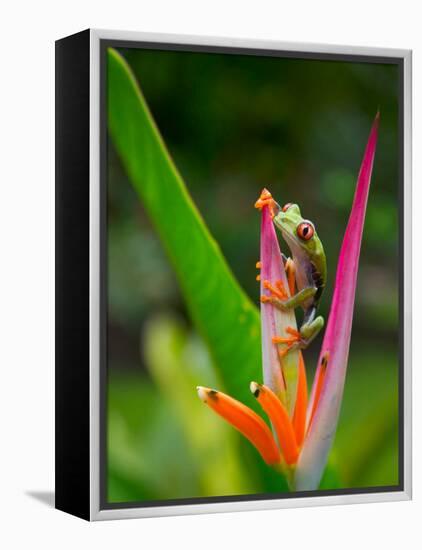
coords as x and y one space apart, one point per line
305 231
286 206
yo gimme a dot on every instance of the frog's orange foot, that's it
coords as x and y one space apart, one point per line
277 292
266 199
258 265
292 342
293 332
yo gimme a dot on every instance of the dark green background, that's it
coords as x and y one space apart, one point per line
234 124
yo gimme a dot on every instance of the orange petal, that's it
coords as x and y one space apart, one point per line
245 420
299 416
280 420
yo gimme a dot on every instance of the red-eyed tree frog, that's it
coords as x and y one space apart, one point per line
307 267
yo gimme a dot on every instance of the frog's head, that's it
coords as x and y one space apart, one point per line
299 234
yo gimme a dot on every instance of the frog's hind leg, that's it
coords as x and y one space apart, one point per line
310 330
300 339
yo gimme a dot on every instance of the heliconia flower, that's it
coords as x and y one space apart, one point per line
302 431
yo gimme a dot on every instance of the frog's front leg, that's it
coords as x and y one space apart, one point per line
280 299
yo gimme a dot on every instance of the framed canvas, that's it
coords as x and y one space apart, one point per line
233 303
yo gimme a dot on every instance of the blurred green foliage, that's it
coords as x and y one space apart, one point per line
232 125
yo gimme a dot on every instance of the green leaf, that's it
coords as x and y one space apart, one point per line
224 315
